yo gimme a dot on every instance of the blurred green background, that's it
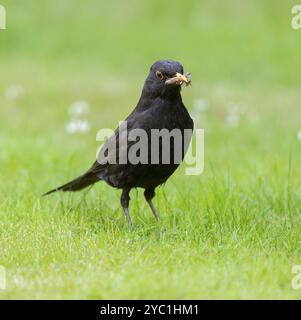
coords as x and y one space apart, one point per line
233 232
234 41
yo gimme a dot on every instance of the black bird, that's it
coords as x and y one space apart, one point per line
159 107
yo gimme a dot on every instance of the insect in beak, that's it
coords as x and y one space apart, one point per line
179 79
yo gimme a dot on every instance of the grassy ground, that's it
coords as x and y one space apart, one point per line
233 232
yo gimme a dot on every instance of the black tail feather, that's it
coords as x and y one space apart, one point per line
77 184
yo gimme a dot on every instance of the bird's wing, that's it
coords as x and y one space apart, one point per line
116 147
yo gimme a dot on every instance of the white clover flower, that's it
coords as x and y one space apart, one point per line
71 127
84 126
13 92
78 126
79 107
200 105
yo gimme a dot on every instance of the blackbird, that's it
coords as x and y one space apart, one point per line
159 107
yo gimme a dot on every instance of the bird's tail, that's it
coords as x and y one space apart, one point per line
79 183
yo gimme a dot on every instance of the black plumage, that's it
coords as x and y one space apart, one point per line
159 107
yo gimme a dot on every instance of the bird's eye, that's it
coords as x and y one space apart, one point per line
159 75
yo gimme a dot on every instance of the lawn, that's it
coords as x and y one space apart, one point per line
232 232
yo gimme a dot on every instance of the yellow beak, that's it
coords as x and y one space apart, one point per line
179 79
183 78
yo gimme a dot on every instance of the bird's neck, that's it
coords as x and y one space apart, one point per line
148 97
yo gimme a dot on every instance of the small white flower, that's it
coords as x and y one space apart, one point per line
13 92
71 127
200 105
84 126
78 126
79 107
299 135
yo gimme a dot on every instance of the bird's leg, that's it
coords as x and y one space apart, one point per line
149 194
125 199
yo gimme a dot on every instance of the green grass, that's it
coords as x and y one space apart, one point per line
233 232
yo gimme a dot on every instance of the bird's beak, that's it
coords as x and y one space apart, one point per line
182 78
179 79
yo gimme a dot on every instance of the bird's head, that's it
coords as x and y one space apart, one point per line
166 78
